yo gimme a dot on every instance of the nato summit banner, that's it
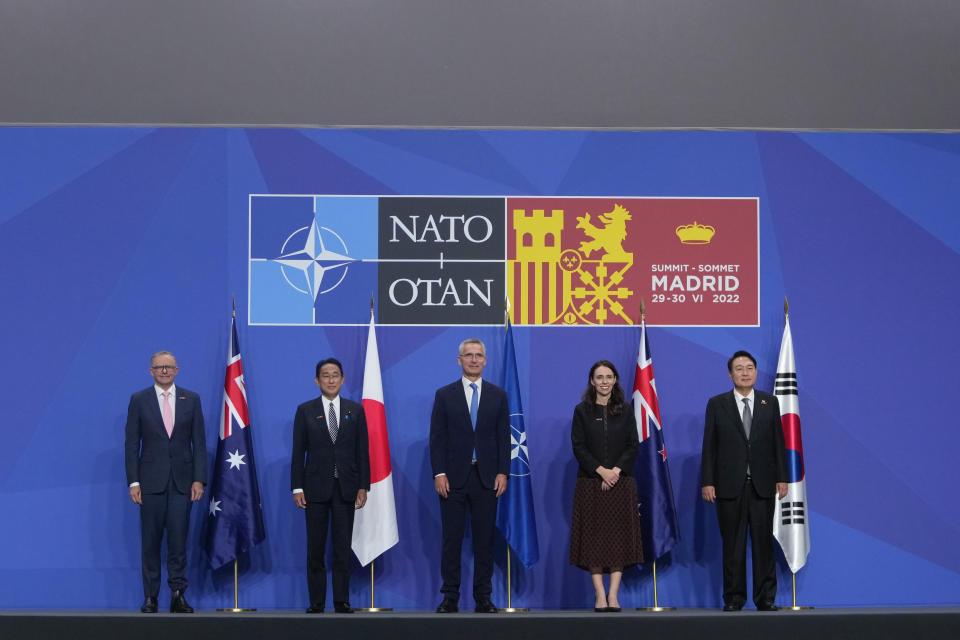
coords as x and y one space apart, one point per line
117 242
451 261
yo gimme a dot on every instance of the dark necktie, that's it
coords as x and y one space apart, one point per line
334 427
747 418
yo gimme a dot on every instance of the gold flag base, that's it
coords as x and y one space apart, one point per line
236 578
372 608
794 575
510 608
656 599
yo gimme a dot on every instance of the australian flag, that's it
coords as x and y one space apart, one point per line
235 520
658 512
515 516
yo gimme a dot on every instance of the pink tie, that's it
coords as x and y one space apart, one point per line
167 413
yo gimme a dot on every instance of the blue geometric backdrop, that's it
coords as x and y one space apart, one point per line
117 242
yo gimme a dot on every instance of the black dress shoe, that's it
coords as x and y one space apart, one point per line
613 609
448 606
315 608
732 607
342 607
149 605
767 606
178 604
485 606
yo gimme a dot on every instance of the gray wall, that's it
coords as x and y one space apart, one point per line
870 64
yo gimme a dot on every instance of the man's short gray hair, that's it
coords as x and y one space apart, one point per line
162 353
472 341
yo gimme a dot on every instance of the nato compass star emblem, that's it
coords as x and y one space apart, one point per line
518 448
314 259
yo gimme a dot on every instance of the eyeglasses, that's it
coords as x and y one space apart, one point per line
164 367
473 356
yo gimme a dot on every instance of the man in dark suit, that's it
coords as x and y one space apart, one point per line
743 468
330 477
166 462
470 456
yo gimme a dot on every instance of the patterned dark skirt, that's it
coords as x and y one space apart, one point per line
605 527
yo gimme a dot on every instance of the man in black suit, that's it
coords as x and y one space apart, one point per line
470 456
330 477
743 468
166 463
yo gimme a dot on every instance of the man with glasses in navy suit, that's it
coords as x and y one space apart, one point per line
470 456
166 464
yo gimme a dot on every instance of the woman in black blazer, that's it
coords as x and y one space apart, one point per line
605 527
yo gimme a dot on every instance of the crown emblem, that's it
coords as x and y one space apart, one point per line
695 233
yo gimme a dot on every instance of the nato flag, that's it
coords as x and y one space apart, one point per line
515 517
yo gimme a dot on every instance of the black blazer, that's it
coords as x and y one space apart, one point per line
151 456
604 443
726 451
452 439
314 453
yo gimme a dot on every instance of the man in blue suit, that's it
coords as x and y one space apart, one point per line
166 463
470 456
329 477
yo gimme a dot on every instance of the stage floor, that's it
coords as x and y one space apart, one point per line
914 623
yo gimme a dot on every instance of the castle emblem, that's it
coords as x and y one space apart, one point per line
551 282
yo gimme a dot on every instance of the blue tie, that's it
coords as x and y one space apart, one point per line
474 402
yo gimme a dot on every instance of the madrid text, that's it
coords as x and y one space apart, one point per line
673 287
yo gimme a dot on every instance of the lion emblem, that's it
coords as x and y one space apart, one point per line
609 237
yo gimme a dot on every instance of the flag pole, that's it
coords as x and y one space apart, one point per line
793 574
373 608
236 583
509 608
236 574
656 597
656 600
793 577
794 607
